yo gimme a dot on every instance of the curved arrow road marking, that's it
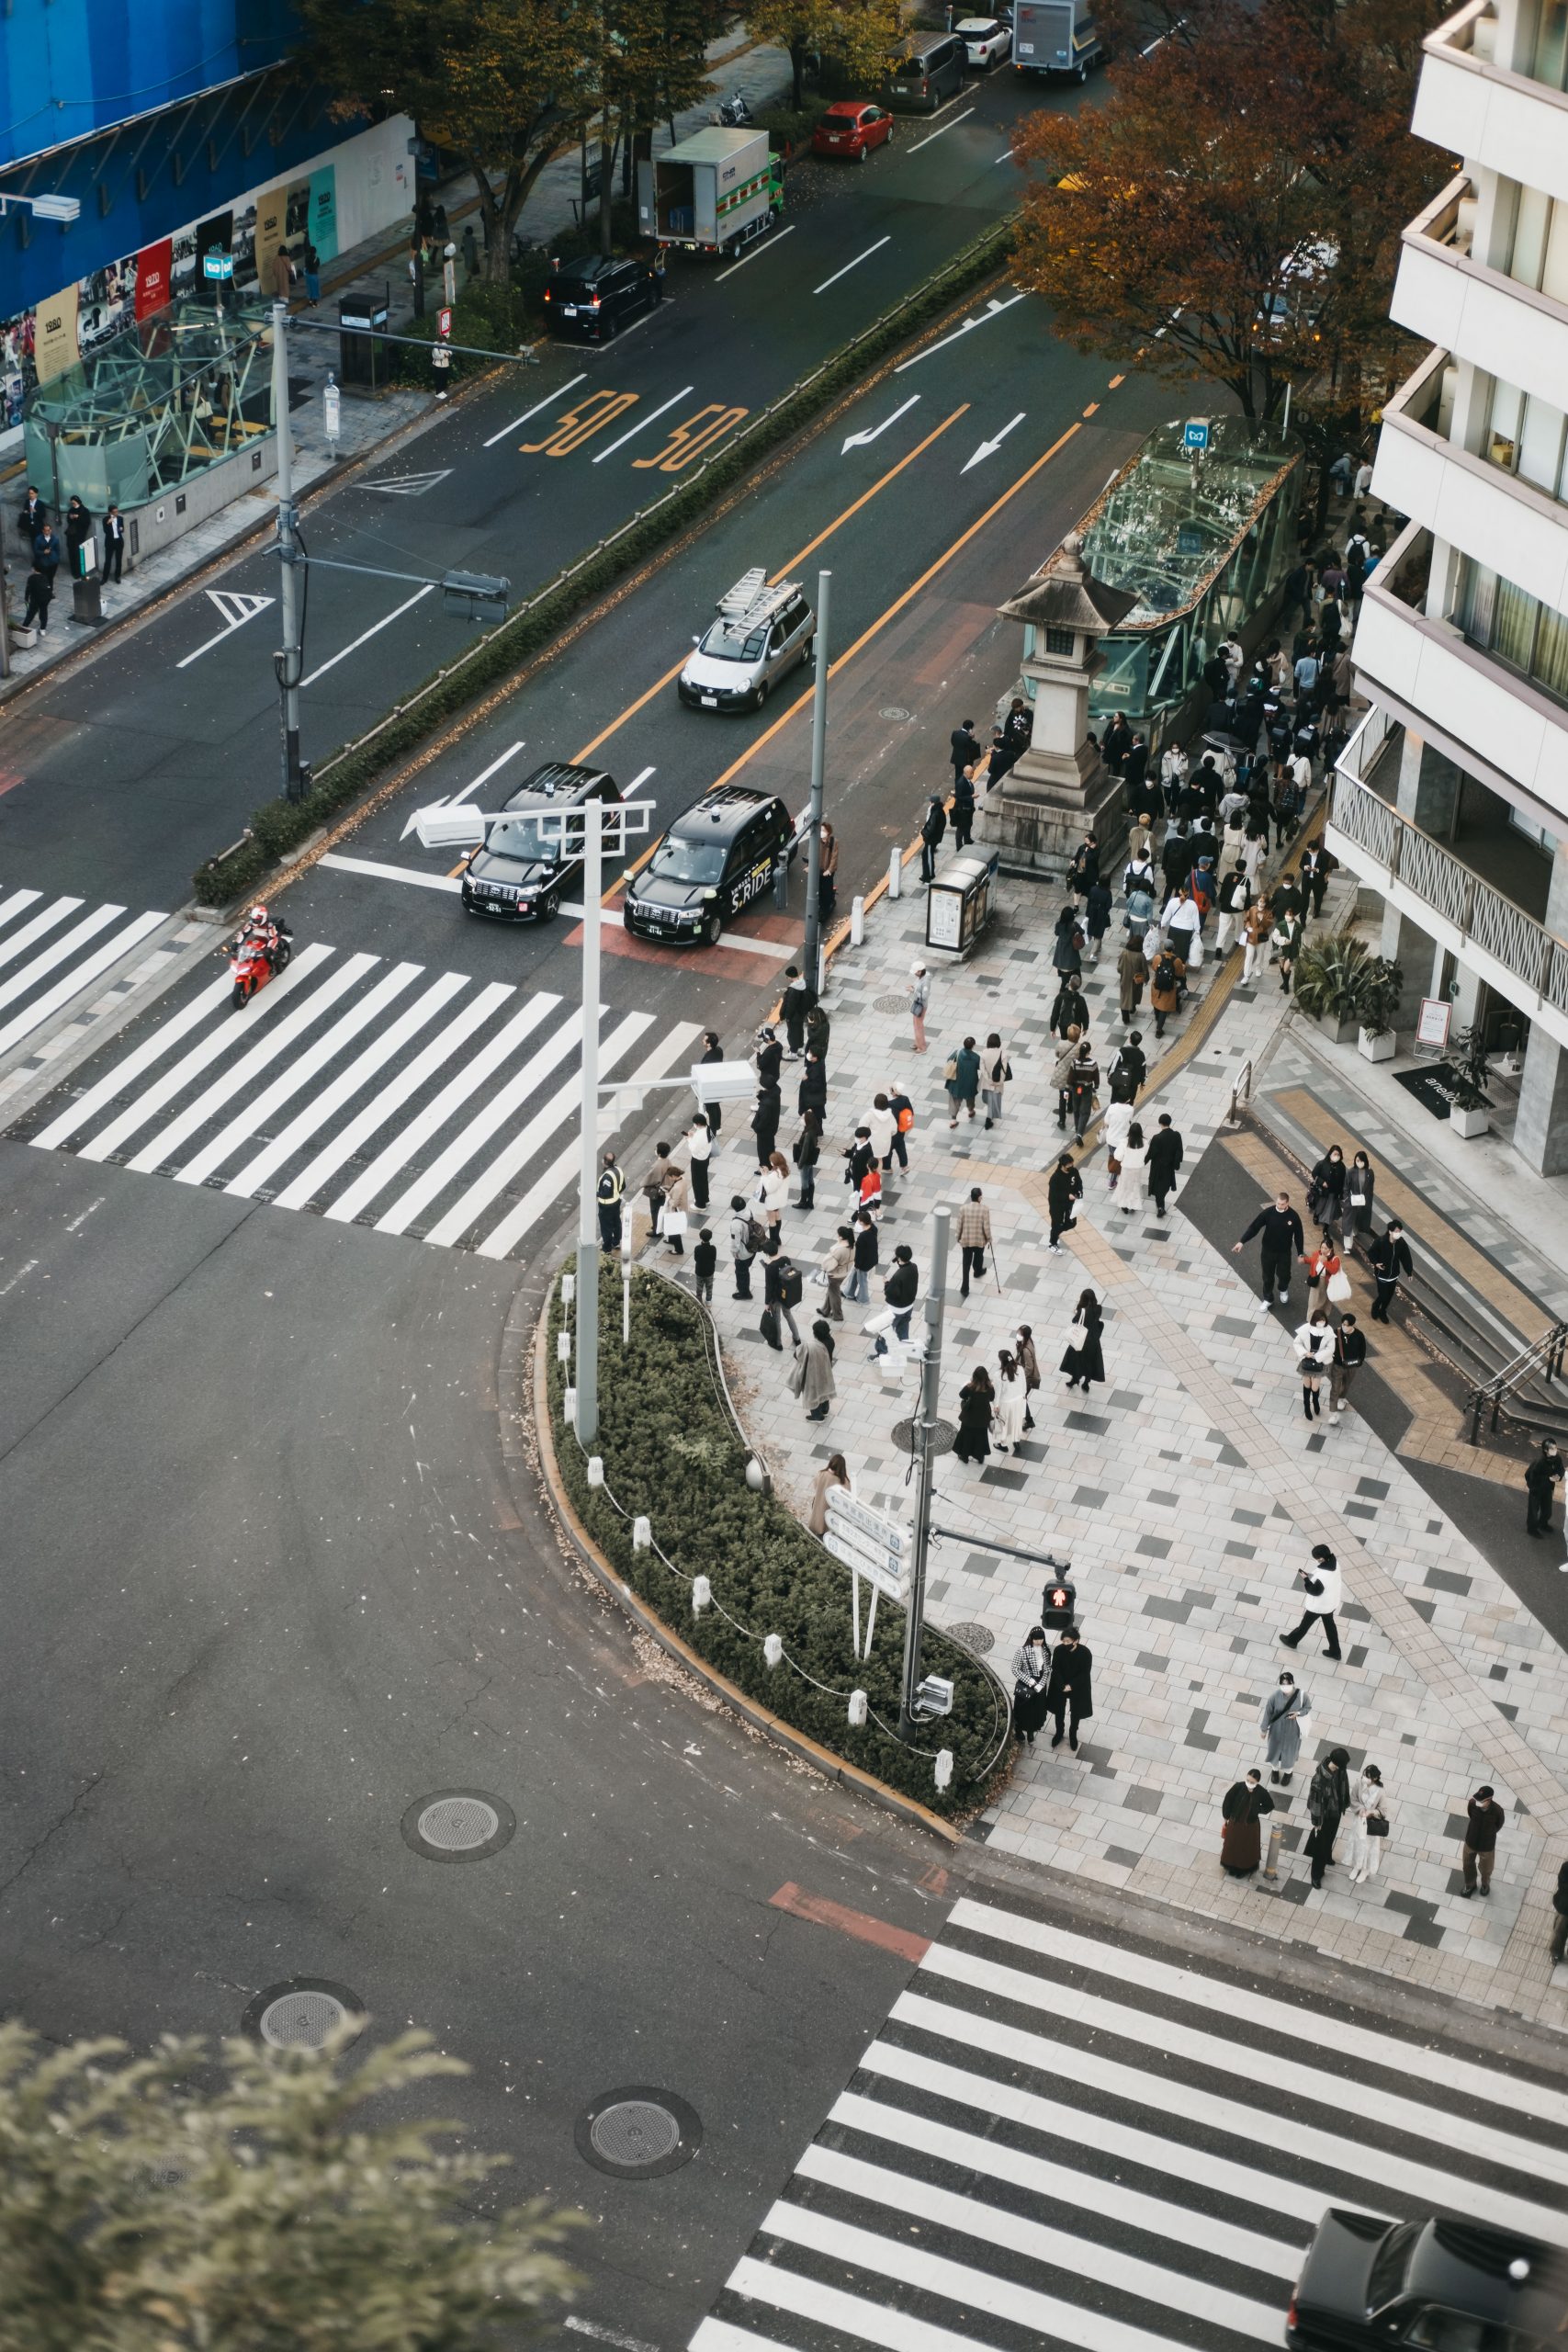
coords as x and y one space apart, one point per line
859 440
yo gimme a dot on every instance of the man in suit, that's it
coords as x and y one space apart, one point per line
1068 1694
113 543
963 747
1162 1159
34 515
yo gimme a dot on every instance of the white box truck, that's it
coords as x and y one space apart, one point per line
715 192
1055 37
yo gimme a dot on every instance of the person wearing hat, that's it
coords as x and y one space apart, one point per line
919 999
1483 1818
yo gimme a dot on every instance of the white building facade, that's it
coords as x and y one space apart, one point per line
1452 801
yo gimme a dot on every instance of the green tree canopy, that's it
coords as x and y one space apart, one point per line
860 36
173 2203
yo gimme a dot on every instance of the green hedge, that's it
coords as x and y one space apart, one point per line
280 826
670 1451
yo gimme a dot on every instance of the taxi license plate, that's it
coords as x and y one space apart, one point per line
709 702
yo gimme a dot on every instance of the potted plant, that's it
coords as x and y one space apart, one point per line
1467 1100
1377 1003
1327 982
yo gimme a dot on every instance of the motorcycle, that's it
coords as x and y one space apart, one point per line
734 112
253 963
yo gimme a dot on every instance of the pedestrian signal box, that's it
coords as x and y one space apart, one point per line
1058 1605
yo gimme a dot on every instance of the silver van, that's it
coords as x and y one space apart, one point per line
929 72
761 632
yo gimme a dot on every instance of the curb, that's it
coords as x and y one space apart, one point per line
514 1347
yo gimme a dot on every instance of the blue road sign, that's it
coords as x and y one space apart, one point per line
218 264
1195 433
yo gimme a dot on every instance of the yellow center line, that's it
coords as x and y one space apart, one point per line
809 548
1091 407
1115 380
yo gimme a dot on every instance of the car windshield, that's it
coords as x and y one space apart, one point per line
677 861
733 641
523 838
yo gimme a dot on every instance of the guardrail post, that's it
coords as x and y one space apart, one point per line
1475 1400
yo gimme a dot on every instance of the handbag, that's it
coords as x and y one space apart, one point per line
1340 1287
1377 1825
769 1328
673 1221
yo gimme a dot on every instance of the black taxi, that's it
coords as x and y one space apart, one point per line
714 862
523 869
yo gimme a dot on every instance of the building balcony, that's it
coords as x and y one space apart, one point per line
1505 523
1476 108
1442 294
1517 957
1497 726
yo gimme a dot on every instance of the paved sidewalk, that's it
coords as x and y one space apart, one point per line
1186 1495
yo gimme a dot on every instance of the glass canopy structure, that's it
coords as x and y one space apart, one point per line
184 389
1202 543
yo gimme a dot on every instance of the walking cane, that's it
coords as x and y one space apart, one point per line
996 1272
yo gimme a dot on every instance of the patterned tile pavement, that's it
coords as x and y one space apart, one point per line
1186 1494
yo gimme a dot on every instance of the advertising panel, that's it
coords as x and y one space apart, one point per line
154 264
323 211
54 337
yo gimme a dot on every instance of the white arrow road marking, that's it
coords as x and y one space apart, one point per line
236 609
342 865
988 448
859 440
457 798
852 264
993 310
632 431
364 637
548 402
408 485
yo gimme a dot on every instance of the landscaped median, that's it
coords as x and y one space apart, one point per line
673 1453
280 827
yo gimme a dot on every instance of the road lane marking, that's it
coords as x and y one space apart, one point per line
938 134
58 949
382 873
81 976
777 239
782 573
580 423
55 912
1091 408
530 413
852 265
407 485
693 437
153 1049
457 798
18 901
363 639
993 310
1121 379
861 440
653 415
236 609
988 448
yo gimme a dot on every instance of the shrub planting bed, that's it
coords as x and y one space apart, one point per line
672 1454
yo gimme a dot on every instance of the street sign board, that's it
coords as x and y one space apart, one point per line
868 1552
722 1081
881 1575
1195 435
332 409
890 1534
444 323
218 264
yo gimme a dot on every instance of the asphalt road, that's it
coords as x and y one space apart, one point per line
149 758
267 1586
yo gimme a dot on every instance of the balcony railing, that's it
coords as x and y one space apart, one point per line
1482 917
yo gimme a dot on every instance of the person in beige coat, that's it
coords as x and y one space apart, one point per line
834 1472
835 1269
664 1187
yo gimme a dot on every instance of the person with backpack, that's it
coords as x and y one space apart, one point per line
1069 1011
1233 900
745 1240
996 1071
903 1112
783 1290
1164 987
1129 1069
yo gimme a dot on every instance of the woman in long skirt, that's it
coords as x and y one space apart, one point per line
1013 1399
1241 1840
1083 1360
975 1399
1031 1672
1028 1366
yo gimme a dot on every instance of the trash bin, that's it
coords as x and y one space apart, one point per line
958 905
363 357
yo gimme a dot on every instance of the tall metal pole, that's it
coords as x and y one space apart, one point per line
813 957
4 625
287 660
588 1180
925 1421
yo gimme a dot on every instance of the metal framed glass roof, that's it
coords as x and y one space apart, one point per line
1167 526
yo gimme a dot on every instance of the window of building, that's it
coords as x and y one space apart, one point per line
1528 437
1526 635
1549 61
1059 641
1539 254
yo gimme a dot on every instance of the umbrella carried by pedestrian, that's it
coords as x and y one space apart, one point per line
1279 1721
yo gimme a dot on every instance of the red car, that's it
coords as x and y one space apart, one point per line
851 128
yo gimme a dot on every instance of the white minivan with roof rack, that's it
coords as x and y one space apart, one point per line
761 632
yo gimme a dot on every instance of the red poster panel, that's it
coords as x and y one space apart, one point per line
153 278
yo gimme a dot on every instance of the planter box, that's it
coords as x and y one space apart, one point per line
1468 1122
1376 1049
1339 1033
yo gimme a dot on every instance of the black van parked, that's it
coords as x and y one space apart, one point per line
591 301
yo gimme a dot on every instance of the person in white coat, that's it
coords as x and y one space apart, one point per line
1313 1356
1369 1803
1324 1594
1012 1401
1133 1184
1115 1127
883 1125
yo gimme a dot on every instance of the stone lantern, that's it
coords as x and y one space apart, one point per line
1059 790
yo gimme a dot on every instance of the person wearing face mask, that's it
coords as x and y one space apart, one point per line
1241 1840
1369 1825
1328 1801
1279 1721
1031 1673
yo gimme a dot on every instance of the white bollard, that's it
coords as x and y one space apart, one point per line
563 1346
702 1595
567 1289
895 873
568 1405
943 1767
857 1709
642 1534
772 1650
857 923
595 1469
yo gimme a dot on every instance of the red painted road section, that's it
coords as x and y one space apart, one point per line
858 1923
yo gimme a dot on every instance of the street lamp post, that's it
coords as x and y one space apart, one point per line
925 1426
289 659
812 956
588 1165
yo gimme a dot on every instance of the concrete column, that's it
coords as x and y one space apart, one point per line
1428 794
1540 1132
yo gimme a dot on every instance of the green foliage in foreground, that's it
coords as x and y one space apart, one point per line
246 2203
671 1452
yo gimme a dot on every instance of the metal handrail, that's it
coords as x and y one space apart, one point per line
1544 1355
1241 1092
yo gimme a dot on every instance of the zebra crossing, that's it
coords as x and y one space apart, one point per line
52 951
1061 2140
425 1103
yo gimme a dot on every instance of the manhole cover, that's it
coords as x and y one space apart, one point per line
979 1638
895 710
638 2132
891 1004
457 1825
301 2013
944 1435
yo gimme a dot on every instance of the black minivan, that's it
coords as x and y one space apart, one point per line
591 301
521 871
929 72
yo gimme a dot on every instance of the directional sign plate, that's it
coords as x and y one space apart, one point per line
877 1573
890 1534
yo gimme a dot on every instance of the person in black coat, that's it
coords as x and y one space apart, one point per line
1388 1258
782 1288
1063 1191
962 812
32 514
712 1052
1282 1241
1129 1070
976 1402
794 1003
1083 1360
770 1056
1164 1157
1068 1694
933 833
812 1093
963 747
113 543
765 1123
1541 1478
807 1152
1325 1193
1069 1009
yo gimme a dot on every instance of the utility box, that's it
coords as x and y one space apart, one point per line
714 192
1055 37
958 905
364 362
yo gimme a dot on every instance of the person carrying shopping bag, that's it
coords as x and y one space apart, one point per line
1314 1356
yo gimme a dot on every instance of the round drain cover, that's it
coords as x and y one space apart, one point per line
896 710
457 1825
979 1638
638 2132
301 2013
944 1436
891 1004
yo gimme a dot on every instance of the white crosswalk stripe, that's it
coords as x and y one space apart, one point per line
426 1104
53 953
1060 2139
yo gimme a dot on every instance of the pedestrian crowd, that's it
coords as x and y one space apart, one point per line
77 547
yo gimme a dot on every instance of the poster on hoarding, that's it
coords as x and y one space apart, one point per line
272 234
323 211
154 265
54 337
